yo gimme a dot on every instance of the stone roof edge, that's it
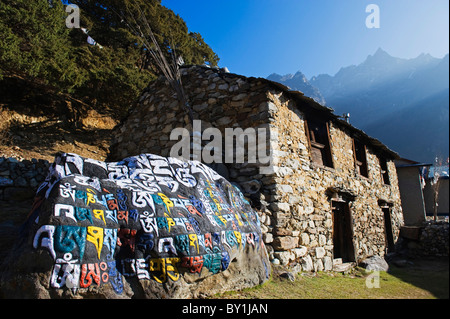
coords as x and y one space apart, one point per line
297 95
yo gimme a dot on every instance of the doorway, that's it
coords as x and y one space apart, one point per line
342 231
389 236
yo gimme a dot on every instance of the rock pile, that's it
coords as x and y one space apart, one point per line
143 227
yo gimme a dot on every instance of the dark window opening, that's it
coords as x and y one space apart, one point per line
384 171
342 231
359 153
319 141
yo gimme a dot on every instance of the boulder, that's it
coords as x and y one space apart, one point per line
144 227
374 263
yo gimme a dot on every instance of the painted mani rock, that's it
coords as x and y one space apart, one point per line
146 217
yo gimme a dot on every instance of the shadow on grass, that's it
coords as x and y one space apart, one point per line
430 274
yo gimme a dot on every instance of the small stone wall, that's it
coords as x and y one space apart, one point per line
20 179
434 239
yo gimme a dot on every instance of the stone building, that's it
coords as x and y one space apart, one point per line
411 188
328 193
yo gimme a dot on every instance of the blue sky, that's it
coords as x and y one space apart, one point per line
260 37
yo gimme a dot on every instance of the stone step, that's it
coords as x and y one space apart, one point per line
343 267
337 261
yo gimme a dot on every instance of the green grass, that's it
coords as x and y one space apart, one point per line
398 283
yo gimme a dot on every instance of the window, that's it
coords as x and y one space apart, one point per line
384 171
319 141
359 154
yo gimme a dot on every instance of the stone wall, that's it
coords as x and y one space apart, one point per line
20 179
219 99
301 208
431 239
434 239
293 195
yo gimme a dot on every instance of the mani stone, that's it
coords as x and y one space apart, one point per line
144 227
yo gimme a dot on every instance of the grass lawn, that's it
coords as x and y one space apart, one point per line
422 280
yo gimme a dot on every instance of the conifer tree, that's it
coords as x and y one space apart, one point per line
36 43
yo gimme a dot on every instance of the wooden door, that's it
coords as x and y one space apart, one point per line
342 232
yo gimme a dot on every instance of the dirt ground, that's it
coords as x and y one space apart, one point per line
42 140
37 122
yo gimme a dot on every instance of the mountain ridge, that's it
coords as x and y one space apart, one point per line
384 89
298 81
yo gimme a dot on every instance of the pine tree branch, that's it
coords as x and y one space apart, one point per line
141 27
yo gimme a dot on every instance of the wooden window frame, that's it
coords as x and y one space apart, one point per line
319 147
360 158
384 170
